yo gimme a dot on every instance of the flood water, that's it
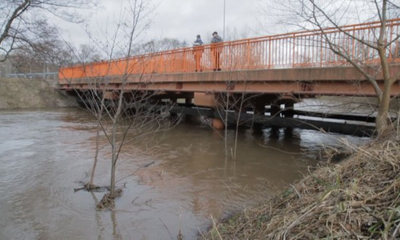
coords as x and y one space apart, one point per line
44 155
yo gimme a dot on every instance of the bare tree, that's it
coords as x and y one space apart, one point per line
159 45
379 42
46 52
231 104
230 108
23 22
125 109
88 53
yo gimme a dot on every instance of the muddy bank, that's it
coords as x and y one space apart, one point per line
356 199
19 93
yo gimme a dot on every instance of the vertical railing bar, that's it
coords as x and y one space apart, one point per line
248 54
298 49
312 46
269 52
301 53
274 60
294 50
278 52
289 51
311 57
272 52
282 51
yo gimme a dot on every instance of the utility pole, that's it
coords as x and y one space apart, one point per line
223 33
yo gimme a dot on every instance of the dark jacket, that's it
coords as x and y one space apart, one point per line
216 39
198 41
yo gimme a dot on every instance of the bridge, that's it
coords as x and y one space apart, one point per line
277 70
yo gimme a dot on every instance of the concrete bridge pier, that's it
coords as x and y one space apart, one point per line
276 113
275 110
259 109
173 116
188 102
288 112
209 100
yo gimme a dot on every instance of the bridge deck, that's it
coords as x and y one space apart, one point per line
303 81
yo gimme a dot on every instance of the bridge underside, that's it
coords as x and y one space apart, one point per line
260 88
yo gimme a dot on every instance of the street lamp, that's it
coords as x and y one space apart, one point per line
223 33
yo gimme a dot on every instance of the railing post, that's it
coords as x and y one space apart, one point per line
184 60
153 63
248 54
269 52
173 61
294 50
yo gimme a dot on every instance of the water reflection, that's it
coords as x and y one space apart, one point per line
45 154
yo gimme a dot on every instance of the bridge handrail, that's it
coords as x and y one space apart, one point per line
288 50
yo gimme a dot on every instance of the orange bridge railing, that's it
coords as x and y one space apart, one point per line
291 50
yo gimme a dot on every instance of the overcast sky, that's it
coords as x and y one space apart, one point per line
183 19
187 18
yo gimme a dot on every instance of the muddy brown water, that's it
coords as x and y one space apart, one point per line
44 155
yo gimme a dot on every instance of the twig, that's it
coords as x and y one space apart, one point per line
298 194
215 227
170 235
133 201
297 220
396 231
140 167
78 189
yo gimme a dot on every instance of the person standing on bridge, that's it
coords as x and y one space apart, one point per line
216 50
198 50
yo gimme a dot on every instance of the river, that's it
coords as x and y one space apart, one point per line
44 155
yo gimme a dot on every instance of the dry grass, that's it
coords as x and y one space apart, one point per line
356 199
17 93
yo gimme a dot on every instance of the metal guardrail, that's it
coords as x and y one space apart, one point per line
33 75
291 50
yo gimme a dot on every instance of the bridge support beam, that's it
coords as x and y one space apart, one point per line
204 99
188 102
173 116
275 110
110 95
289 109
275 113
259 109
208 100
289 113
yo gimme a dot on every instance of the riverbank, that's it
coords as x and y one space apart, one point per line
355 199
21 93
